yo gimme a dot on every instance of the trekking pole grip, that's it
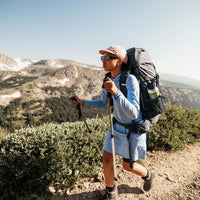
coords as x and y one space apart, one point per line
74 99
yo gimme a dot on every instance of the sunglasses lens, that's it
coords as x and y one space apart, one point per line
102 58
108 57
105 58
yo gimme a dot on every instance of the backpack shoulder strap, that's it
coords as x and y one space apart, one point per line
122 82
129 69
106 75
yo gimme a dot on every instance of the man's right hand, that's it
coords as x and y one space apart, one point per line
75 101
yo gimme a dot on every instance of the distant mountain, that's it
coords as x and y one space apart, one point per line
187 98
9 63
46 78
171 80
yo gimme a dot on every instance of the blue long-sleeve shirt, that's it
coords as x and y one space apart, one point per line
125 109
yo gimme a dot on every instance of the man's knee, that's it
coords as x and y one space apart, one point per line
126 165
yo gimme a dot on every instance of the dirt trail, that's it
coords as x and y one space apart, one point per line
177 178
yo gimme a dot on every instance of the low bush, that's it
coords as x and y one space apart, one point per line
176 127
33 158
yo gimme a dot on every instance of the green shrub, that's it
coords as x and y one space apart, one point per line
33 158
16 81
176 127
2 134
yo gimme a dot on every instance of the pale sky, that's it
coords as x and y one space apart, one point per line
78 29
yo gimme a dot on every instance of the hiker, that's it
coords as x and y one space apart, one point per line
125 111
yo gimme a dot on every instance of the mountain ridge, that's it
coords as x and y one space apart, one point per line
193 83
22 63
45 78
10 63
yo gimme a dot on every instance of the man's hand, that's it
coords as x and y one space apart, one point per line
75 101
110 86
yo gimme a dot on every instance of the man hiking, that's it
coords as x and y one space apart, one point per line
126 109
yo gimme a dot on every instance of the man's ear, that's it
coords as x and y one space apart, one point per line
119 62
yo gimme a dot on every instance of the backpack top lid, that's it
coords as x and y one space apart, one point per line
139 62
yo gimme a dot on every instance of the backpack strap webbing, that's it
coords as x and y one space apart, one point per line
122 82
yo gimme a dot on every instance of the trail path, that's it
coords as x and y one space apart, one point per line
177 178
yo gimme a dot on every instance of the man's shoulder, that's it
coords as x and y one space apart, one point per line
131 77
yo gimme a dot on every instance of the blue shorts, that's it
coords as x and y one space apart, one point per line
138 143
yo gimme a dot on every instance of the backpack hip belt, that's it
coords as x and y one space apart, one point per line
133 127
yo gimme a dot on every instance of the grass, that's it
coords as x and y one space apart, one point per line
181 198
3 134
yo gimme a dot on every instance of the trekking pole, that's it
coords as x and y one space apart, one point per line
90 132
113 145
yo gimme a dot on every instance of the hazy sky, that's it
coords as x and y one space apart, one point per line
77 29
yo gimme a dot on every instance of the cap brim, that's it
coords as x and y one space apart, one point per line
106 51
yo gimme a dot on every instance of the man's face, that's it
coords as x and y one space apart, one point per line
109 62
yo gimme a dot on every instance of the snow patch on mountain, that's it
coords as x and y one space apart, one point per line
14 95
9 63
85 66
21 63
54 64
59 66
97 68
92 67
63 81
4 67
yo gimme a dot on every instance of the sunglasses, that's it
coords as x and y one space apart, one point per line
108 57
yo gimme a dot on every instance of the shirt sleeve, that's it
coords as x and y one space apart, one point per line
98 103
129 105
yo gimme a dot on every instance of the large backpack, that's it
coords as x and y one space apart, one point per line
151 100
